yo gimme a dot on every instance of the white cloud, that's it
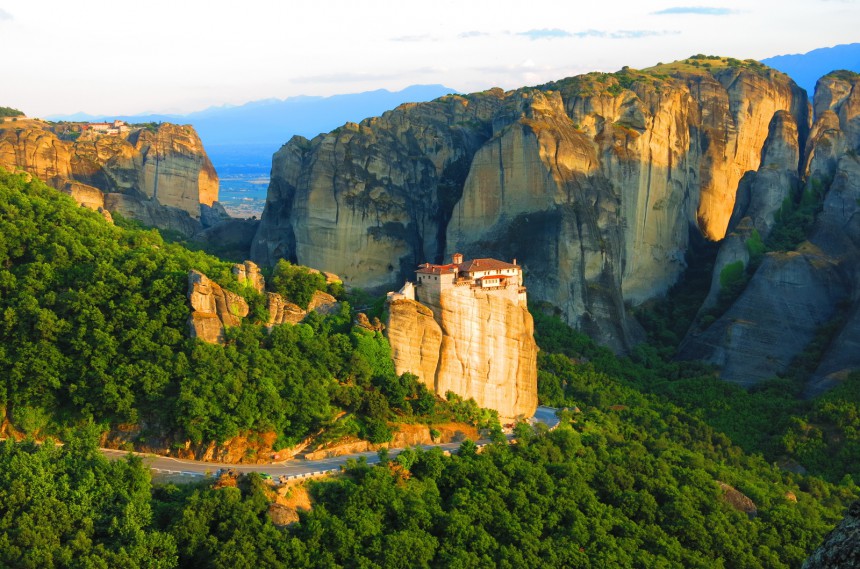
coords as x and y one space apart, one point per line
696 10
545 34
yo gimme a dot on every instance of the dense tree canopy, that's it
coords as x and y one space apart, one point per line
93 331
93 326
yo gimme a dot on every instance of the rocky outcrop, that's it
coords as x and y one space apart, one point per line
761 194
841 547
738 111
775 180
738 500
281 311
161 177
366 201
788 299
488 351
248 273
213 309
416 340
593 183
476 343
795 295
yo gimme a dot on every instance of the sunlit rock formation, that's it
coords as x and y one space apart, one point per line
793 296
160 176
594 183
464 327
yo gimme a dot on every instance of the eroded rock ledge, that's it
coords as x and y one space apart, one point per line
214 308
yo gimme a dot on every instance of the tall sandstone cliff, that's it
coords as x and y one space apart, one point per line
793 295
160 177
478 344
594 183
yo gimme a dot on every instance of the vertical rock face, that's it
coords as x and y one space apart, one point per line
776 178
488 351
415 338
160 177
760 196
792 295
788 299
365 201
476 342
737 109
593 182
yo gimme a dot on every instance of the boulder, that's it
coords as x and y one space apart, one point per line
213 309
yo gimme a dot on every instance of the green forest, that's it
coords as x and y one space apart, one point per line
93 328
93 334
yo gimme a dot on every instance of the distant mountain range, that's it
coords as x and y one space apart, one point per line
240 140
806 68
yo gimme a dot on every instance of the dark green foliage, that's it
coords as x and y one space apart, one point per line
616 489
732 275
795 218
10 112
756 248
636 487
667 320
733 280
761 420
93 326
295 283
94 316
631 487
69 507
827 439
229 528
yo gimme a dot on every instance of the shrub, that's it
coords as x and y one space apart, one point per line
296 283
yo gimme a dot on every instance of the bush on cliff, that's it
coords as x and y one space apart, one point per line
296 283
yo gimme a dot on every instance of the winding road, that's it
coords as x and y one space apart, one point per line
292 468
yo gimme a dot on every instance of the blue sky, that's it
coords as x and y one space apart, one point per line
120 57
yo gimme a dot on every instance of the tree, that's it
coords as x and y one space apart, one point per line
296 284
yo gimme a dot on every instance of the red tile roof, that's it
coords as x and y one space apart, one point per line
466 267
485 265
429 269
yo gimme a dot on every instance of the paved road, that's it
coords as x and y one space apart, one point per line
297 468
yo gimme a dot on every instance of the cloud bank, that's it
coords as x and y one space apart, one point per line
697 10
556 33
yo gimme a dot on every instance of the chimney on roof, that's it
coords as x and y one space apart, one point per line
515 260
457 258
